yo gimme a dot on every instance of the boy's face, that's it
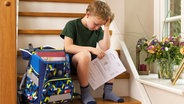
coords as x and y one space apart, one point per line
94 22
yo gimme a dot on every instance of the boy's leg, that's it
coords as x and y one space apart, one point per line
108 94
81 62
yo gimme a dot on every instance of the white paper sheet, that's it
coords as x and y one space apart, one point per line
105 69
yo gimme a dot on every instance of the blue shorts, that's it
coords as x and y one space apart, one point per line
73 68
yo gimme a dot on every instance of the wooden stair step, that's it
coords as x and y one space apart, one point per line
51 14
38 32
128 100
42 32
124 75
64 1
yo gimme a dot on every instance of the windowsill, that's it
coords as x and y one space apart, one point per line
164 84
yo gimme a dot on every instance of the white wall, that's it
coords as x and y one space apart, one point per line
138 22
118 9
158 96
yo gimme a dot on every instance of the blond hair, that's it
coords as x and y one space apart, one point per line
100 9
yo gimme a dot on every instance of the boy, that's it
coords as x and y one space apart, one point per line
80 39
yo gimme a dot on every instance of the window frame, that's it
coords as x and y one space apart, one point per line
182 19
160 14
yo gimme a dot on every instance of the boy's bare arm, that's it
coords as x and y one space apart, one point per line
105 42
73 49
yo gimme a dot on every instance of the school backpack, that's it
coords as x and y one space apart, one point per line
47 78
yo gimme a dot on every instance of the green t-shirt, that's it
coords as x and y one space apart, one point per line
81 35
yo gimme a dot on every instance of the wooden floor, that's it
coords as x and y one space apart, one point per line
128 100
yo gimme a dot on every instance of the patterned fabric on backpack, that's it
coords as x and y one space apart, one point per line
48 76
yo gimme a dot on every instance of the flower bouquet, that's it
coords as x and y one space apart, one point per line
167 53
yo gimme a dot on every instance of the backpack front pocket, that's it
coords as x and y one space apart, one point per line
55 90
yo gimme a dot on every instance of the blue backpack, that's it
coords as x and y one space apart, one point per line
47 78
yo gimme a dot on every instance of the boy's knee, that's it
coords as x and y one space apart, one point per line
85 55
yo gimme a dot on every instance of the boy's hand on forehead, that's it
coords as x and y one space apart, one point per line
108 22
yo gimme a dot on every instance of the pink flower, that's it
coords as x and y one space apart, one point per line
151 49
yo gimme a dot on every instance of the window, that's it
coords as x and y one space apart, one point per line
172 23
168 17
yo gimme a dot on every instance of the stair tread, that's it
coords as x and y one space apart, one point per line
43 32
64 1
51 14
124 75
128 100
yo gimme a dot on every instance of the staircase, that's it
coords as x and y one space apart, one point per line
32 29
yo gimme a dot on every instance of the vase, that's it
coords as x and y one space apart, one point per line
165 69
